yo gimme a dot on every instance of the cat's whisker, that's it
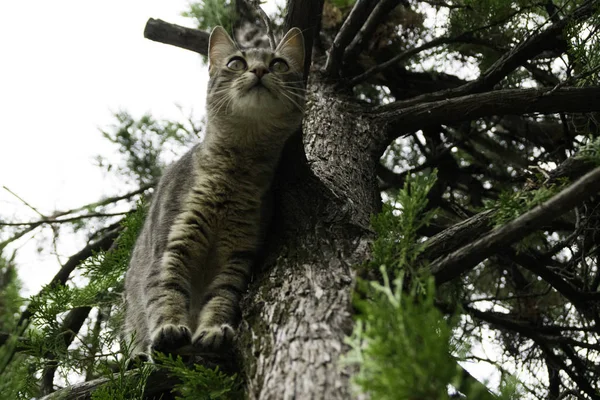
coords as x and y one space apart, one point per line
301 97
292 101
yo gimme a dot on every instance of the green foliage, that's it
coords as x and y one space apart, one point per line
590 152
124 385
512 204
584 42
402 344
15 375
201 383
104 272
210 13
10 301
101 282
143 143
397 245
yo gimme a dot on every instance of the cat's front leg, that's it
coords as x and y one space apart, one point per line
169 288
168 304
221 311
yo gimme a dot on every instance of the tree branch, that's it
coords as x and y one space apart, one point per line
305 15
69 329
519 55
266 20
347 32
379 13
401 57
458 262
404 119
177 35
63 274
503 321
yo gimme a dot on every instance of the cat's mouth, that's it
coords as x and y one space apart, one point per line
258 86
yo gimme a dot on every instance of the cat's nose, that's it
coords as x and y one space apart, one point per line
259 71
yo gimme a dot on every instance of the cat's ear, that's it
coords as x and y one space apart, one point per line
220 46
292 46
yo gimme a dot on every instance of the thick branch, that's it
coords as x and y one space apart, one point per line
305 15
449 267
176 35
403 119
379 13
159 383
347 32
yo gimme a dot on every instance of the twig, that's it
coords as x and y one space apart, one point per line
63 220
24 202
400 57
460 261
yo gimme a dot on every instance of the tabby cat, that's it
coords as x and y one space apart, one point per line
193 259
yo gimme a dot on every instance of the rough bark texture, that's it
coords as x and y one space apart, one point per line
299 309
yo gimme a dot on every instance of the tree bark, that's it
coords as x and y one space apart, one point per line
298 310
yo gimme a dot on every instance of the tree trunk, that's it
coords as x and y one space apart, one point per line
298 310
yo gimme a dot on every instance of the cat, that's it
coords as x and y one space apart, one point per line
193 258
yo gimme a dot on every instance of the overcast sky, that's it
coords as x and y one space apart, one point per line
65 66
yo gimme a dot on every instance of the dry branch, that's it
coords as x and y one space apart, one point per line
305 15
460 261
375 18
347 32
177 35
404 119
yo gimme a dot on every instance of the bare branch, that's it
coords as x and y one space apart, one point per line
379 13
305 15
400 57
405 119
176 35
347 32
458 262
63 220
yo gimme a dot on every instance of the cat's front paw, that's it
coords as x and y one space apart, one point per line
136 360
171 337
213 337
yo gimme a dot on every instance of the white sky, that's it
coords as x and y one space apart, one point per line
65 65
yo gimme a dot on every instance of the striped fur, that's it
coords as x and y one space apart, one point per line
192 261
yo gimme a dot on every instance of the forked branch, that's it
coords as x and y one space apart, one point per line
460 261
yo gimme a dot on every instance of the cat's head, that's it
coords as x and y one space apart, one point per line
258 84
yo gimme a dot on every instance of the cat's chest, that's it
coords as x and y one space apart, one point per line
226 193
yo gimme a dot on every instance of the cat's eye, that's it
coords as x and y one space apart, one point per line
279 65
237 64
